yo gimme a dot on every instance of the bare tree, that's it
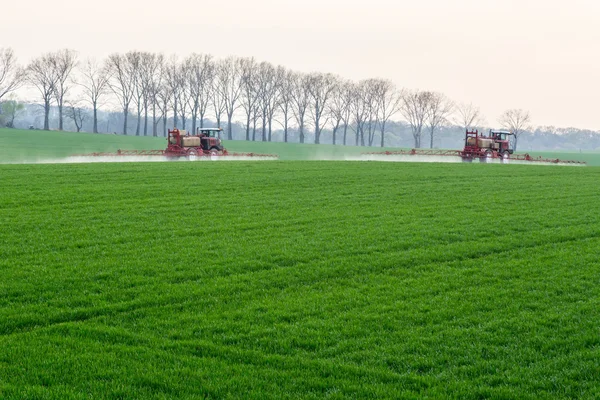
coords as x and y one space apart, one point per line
515 120
229 75
468 116
206 94
301 101
285 101
268 88
12 75
77 114
66 61
389 99
218 101
149 72
320 87
122 80
339 109
347 94
184 95
164 98
414 107
174 82
94 82
199 74
154 77
138 87
42 75
359 111
250 91
370 99
440 108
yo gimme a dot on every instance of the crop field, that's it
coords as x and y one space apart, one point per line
309 279
35 146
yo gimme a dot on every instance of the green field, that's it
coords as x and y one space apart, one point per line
24 145
298 279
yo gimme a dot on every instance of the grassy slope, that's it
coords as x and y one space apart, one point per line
16 145
299 279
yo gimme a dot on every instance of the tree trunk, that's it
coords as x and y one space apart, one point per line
254 129
154 122
301 132
95 129
345 131
431 138
248 127
264 129
146 120
229 117
139 119
46 115
270 128
383 134
175 112
317 127
125 113
335 129
194 118
60 116
285 130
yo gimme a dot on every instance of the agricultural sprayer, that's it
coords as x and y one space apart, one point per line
494 147
204 144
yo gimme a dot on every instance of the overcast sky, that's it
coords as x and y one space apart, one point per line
539 55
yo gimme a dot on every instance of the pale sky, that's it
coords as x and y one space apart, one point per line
539 55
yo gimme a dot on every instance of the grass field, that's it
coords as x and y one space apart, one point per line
24 145
294 279
299 280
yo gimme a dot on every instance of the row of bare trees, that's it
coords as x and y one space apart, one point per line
153 88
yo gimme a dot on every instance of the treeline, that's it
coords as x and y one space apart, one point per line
153 92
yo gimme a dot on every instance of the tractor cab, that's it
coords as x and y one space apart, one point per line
209 132
500 135
502 140
210 138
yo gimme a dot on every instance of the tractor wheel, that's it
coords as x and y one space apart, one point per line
489 155
214 152
192 154
505 157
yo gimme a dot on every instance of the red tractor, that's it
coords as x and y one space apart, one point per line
206 142
496 145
